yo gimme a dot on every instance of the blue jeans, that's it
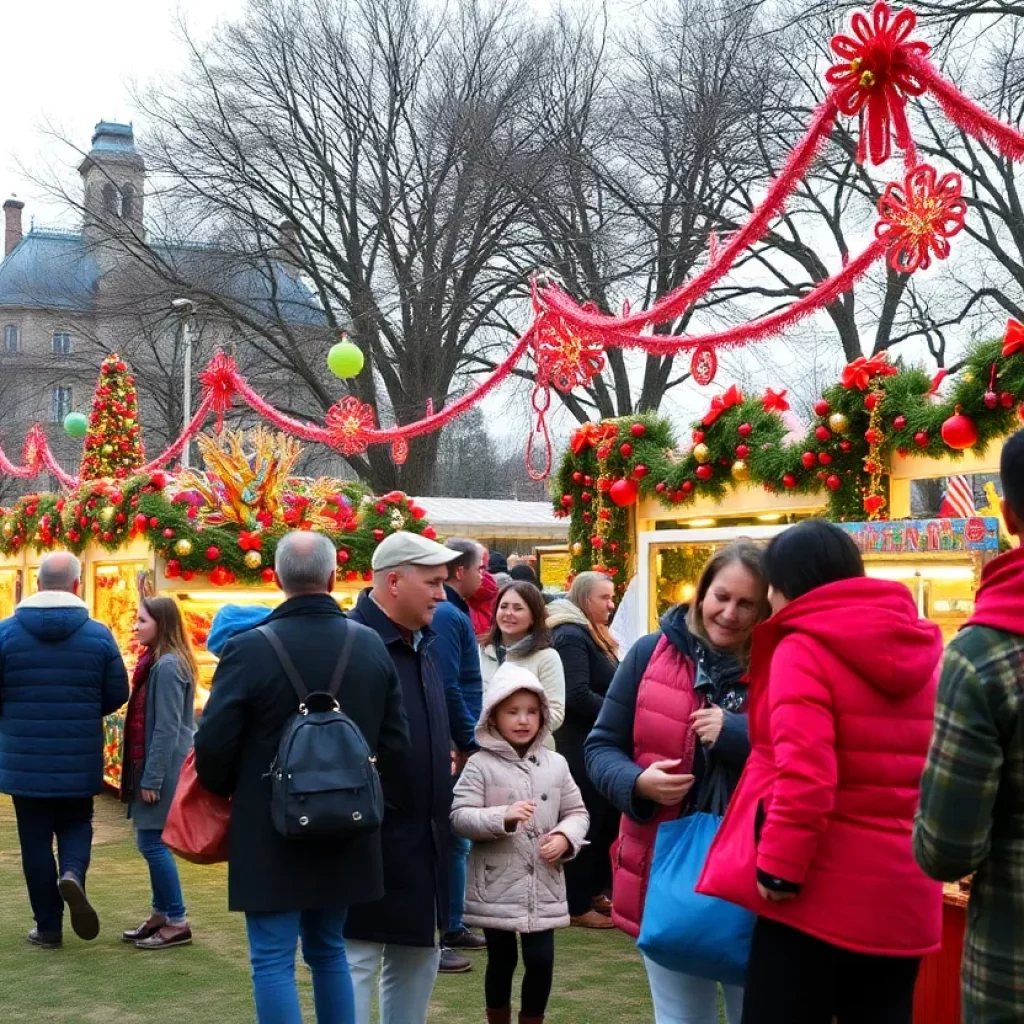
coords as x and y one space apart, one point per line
683 999
163 874
39 820
272 942
457 882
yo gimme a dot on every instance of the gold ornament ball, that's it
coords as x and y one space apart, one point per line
576 549
702 453
740 471
107 449
8 529
838 423
183 547
253 559
106 515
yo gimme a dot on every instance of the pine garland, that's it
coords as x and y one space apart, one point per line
877 412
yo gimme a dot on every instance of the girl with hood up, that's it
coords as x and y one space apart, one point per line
678 701
817 838
517 801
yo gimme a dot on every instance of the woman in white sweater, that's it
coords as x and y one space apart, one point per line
520 634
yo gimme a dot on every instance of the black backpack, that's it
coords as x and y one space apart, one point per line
323 782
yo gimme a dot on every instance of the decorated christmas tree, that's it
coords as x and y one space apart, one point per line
113 444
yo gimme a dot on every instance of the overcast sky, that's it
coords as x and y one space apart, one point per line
65 65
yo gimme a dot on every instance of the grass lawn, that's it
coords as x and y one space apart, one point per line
598 975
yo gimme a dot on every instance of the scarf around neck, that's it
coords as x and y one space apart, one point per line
133 750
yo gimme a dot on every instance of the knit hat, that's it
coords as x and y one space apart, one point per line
232 619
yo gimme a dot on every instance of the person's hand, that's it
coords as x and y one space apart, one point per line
553 847
459 759
707 724
775 897
655 783
150 796
519 813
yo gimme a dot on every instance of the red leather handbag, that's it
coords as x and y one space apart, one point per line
198 821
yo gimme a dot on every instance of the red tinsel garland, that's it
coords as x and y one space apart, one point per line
175 448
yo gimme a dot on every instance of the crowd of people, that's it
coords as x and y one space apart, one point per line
527 769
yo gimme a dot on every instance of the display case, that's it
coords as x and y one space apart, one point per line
940 561
12 575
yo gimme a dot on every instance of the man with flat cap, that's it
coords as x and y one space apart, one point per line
397 935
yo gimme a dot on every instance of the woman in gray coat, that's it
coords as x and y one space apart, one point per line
158 731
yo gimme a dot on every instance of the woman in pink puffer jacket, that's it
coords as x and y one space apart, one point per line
517 801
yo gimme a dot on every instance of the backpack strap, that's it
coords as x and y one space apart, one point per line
293 673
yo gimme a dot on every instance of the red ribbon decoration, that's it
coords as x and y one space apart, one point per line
875 76
1013 340
722 402
775 401
219 381
860 372
250 541
592 435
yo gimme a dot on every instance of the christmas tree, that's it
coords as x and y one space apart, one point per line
113 444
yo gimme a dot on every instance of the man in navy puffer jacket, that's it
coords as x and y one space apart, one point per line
60 674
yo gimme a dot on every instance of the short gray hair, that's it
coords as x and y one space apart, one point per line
59 570
305 562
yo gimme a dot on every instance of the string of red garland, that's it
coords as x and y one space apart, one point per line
880 67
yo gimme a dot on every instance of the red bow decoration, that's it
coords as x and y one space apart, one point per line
592 435
860 372
918 216
722 402
350 422
877 73
775 401
219 382
250 541
1013 340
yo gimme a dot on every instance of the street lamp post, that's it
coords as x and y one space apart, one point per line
186 308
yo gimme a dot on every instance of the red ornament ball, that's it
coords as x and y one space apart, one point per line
140 521
343 556
809 460
378 535
686 486
824 458
705 472
577 477
168 533
267 575
870 402
900 422
159 480
624 492
846 446
698 436
742 451
625 450
430 533
586 497
660 487
567 501
921 439
960 431
833 483
154 523
1006 400
821 407
172 569
822 433
588 481
744 430
638 430
639 471
212 553
789 481
604 484
991 399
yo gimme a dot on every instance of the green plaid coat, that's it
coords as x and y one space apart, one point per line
971 817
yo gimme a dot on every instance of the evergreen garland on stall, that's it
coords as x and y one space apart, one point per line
875 412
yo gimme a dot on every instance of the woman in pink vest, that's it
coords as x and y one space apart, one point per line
678 693
817 839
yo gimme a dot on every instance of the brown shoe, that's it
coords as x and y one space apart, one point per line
500 1016
146 930
602 904
167 937
591 919
523 1019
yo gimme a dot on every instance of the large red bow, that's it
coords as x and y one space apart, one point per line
220 382
592 435
250 541
860 372
722 402
1013 341
775 401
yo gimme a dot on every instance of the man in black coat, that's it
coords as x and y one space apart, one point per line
292 887
398 934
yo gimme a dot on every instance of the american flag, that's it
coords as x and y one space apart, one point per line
958 501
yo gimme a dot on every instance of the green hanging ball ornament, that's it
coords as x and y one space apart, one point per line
75 424
345 360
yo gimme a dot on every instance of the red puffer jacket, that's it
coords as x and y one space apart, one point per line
842 698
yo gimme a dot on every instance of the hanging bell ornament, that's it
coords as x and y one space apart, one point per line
702 453
838 423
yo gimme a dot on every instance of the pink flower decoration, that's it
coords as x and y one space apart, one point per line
350 423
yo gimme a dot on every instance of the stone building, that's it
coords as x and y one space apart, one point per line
68 297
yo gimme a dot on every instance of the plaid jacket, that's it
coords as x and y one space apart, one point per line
971 817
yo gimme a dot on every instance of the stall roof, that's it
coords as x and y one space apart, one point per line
487 517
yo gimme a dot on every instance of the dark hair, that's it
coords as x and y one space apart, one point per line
525 574
496 562
742 551
1011 473
540 633
810 555
470 554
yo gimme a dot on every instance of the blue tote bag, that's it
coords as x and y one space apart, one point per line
684 930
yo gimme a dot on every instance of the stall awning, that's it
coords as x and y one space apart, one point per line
486 519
